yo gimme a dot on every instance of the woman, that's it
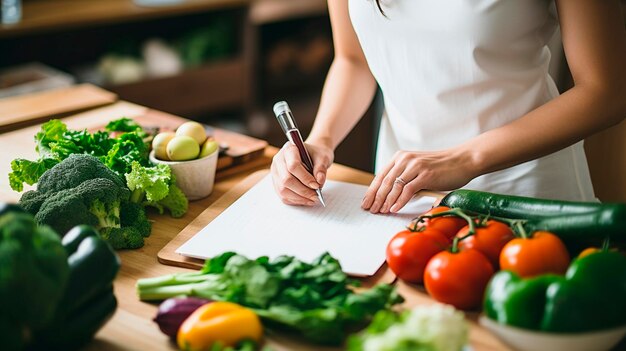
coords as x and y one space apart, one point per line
468 99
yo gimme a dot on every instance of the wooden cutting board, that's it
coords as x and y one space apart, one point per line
20 111
242 149
168 254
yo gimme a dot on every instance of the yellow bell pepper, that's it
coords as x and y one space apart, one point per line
223 322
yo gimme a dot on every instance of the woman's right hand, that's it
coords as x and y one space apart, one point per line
292 182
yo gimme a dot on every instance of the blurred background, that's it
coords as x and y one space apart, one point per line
221 62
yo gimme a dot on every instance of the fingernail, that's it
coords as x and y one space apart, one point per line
313 198
313 185
319 177
394 208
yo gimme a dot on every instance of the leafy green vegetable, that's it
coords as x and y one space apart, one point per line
82 190
126 154
124 125
435 327
149 183
176 202
25 171
129 148
314 299
156 187
54 143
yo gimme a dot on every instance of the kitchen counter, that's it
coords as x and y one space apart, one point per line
132 328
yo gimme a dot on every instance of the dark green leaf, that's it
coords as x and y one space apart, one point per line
216 264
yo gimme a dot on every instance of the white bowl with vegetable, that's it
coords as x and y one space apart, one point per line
530 340
191 155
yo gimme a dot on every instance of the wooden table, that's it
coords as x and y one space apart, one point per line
132 328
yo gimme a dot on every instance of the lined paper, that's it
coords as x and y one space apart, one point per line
259 224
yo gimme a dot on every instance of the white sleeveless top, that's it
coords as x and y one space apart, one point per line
451 70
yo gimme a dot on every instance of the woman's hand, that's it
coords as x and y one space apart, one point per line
411 171
293 183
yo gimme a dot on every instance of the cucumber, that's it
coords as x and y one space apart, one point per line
574 222
517 207
585 228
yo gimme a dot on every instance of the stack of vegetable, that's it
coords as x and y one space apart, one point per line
457 248
315 300
102 179
53 295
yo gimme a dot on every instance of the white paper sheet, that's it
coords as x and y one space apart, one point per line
259 224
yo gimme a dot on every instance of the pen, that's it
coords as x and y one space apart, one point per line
288 124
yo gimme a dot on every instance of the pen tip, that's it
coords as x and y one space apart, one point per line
319 196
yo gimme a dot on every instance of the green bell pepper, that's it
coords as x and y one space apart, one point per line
33 276
88 301
591 296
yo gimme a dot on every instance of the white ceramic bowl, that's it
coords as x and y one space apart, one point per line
194 177
530 340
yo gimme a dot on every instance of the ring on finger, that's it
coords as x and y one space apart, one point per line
400 181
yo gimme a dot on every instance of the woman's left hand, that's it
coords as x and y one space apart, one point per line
411 171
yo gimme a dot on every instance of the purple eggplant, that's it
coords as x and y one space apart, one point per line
173 312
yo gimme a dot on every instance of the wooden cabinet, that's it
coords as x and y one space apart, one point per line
71 35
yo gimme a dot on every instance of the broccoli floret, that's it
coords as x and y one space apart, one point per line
122 238
31 201
94 202
73 171
108 213
82 190
64 210
134 215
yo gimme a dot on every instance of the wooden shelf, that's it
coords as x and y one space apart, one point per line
53 15
212 87
267 11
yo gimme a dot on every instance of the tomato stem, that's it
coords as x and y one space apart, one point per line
516 224
518 227
455 212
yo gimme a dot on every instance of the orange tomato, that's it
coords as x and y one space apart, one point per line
542 253
489 240
449 226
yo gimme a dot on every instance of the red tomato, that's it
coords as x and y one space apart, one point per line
489 240
408 252
458 279
449 226
528 257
